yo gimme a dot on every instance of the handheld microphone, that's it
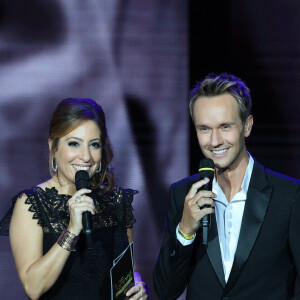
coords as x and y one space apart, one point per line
206 170
82 181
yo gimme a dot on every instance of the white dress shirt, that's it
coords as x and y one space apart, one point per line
229 218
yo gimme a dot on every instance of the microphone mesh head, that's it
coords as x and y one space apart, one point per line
206 163
206 168
82 180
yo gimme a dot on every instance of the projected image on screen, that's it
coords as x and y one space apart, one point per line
129 56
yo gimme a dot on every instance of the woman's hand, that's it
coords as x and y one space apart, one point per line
78 204
138 292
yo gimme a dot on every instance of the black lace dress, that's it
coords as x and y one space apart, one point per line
86 274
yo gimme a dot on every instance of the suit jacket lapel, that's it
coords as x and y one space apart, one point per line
258 196
214 252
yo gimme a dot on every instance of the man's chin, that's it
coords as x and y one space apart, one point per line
221 170
221 166
217 161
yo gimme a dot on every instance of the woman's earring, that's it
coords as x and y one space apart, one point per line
99 168
54 165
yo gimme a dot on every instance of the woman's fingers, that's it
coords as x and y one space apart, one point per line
77 196
78 204
137 292
80 201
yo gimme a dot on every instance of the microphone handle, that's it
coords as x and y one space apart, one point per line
206 220
87 228
205 224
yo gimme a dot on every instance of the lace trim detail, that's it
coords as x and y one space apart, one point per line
124 198
33 207
50 209
4 223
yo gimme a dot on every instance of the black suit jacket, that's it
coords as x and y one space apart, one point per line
267 257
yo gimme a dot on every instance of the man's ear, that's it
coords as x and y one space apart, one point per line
248 126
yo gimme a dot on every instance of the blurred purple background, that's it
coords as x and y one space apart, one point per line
138 59
132 58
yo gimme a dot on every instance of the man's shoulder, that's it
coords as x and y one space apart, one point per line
186 182
279 177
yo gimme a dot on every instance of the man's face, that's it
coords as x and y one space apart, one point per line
220 131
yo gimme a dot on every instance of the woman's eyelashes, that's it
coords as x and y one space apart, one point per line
95 145
73 144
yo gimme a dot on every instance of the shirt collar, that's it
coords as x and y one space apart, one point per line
248 173
245 184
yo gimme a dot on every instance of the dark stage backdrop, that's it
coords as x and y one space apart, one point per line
258 41
131 56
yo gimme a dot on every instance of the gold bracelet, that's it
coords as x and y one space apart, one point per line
186 237
68 240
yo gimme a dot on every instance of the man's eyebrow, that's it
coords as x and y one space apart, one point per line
200 126
227 123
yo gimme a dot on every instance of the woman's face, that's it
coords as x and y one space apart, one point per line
78 150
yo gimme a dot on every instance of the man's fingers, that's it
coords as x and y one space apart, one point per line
204 194
205 201
207 211
193 210
195 187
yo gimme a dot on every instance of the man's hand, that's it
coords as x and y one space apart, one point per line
193 211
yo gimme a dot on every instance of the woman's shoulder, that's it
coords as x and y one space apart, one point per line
123 199
32 191
42 197
44 203
29 199
119 193
20 201
25 194
121 196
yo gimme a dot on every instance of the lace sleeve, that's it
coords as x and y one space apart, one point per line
124 198
4 223
33 207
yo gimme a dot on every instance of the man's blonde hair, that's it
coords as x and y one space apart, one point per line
215 85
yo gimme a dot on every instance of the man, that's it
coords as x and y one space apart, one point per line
253 249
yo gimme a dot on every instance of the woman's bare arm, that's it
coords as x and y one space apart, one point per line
37 272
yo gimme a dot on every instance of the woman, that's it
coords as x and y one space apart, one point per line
46 225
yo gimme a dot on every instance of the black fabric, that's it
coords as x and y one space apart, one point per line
86 273
267 257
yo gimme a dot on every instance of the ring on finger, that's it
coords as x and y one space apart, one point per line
77 199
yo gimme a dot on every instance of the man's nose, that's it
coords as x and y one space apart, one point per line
216 138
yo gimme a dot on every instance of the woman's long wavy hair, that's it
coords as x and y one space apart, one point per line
70 113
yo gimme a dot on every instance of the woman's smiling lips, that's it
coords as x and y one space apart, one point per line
84 168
